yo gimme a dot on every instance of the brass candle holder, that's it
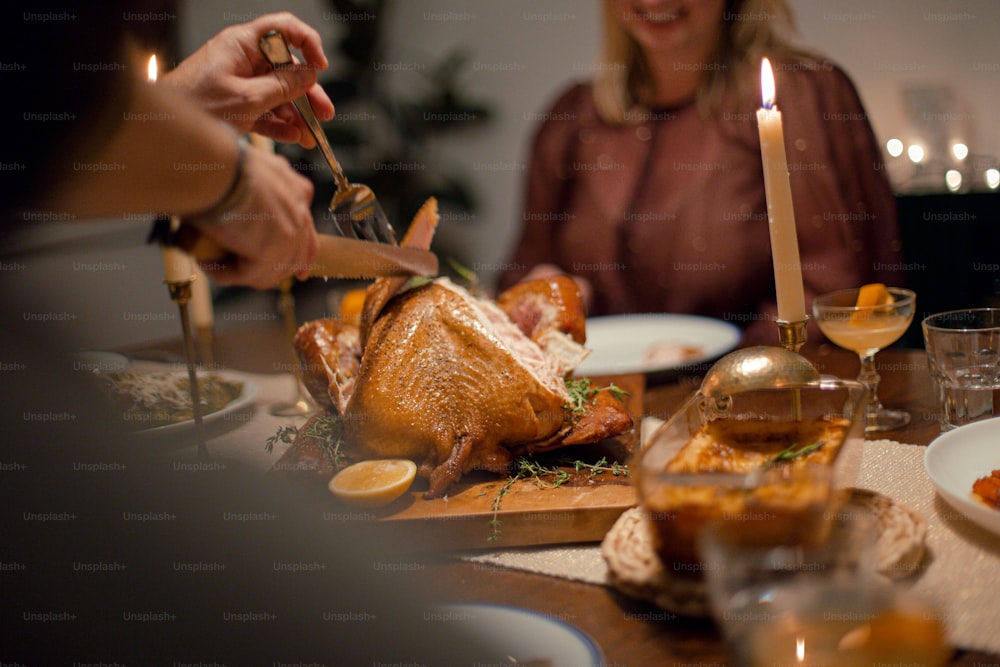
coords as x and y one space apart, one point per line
302 404
792 336
205 336
180 293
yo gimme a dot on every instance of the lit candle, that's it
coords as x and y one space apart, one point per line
780 214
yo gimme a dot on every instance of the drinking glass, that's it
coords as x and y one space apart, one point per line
865 330
819 604
963 354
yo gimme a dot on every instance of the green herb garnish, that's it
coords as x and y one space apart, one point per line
602 466
547 477
581 390
470 277
793 452
326 429
285 434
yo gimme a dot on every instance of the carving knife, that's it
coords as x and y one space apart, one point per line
341 257
338 256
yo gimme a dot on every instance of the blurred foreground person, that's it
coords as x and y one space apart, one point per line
119 549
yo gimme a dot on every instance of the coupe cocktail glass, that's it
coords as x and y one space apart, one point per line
865 330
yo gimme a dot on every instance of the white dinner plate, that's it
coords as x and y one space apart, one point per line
246 397
629 343
502 635
958 458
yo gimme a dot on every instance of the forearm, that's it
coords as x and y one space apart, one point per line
165 156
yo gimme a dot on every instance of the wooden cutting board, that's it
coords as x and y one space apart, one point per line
530 512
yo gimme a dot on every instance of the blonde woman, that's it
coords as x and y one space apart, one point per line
646 183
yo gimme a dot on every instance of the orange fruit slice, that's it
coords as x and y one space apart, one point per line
873 294
351 305
870 296
373 483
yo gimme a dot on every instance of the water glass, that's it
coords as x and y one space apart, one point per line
817 604
963 353
757 589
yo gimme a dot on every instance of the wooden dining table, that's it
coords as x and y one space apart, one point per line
628 631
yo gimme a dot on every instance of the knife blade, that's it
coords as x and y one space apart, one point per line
341 257
338 256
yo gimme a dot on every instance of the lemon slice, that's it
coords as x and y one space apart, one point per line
373 483
870 296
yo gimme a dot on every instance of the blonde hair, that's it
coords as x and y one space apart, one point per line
751 29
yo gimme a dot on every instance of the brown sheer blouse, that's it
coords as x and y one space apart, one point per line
667 212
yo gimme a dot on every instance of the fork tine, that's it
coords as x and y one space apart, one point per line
342 223
369 217
346 220
364 227
375 224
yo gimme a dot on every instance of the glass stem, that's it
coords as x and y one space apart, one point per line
870 377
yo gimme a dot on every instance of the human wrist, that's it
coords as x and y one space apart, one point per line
234 194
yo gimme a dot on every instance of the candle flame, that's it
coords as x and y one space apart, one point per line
767 88
800 649
152 69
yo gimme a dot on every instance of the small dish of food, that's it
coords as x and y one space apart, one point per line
768 458
160 402
960 463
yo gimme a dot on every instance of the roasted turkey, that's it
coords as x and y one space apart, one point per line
452 381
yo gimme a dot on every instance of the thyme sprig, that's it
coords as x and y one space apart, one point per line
547 477
326 429
581 390
602 466
285 434
793 452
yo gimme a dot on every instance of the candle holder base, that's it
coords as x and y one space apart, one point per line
792 335
180 291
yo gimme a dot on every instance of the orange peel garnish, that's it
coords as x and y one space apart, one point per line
870 296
